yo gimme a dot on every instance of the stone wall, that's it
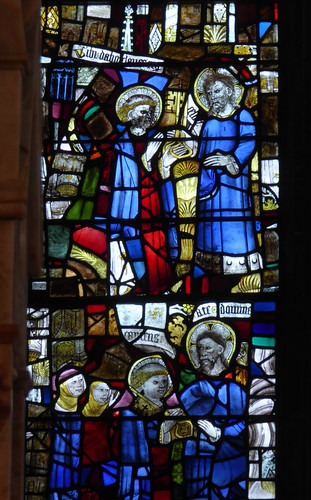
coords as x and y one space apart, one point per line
20 214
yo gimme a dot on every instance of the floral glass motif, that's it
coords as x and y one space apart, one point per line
151 330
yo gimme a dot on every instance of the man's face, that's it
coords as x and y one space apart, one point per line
218 95
209 352
141 116
76 385
155 387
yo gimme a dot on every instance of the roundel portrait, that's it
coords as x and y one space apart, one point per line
218 92
139 104
210 346
150 382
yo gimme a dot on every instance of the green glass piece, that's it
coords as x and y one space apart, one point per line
91 111
187 376
58 241
75 211
81 210
177 473
90 182
177 451
87 210
264 341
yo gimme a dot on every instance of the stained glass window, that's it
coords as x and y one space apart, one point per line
152 327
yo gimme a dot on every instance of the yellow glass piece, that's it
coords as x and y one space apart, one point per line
185 167
71 12
50 19
186 250
186 190
251 99
259 238
276 84
71 125
173 104
245 50
254 176
248 284
256 205
270 205
254 164
95 262
41 372
215 33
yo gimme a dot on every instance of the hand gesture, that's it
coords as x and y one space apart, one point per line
220 160
210 430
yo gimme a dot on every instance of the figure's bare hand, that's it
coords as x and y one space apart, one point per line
219 160
209 429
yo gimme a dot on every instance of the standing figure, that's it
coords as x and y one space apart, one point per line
99 444
144 456
139 108
172 154
215 462
226 240
66 454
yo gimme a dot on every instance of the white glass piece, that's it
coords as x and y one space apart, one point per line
142 9
220 12
171 19
130 314
155 38
101 11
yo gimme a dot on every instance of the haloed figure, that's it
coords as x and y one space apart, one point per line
154 389
141 117
150 384
215 463
226 239
138 108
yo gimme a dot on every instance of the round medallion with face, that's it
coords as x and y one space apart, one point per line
149 377
218 92
140 106
210 346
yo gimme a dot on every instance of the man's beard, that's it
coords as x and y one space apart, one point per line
217 107
208 363
144 122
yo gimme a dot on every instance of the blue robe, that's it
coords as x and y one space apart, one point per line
125 199
235 236
212 468
135 457
66 453
125 202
